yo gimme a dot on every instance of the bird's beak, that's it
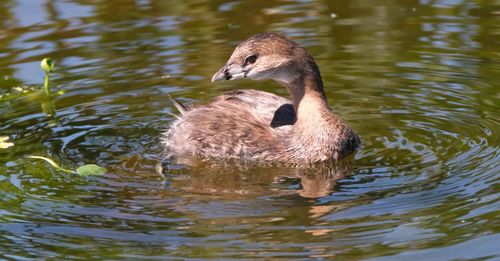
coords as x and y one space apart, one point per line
221 74
230 72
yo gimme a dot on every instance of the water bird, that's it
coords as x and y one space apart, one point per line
258 125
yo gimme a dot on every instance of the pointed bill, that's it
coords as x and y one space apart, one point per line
219 75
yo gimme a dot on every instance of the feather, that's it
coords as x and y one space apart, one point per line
180 107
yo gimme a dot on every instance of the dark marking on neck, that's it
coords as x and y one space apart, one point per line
308 80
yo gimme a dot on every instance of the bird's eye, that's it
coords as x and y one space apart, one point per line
250 59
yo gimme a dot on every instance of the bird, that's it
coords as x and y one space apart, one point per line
260 126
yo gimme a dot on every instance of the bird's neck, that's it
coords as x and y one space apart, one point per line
313 115
315 125
308 83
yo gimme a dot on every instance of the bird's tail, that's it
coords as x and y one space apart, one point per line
180 107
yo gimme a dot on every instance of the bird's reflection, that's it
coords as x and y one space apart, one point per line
236 179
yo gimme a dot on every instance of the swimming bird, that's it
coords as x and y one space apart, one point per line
257 125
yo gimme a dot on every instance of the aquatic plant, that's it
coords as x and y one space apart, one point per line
85 170
47 66
34 92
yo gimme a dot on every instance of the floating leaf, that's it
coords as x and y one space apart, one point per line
47 65
90 169
4 142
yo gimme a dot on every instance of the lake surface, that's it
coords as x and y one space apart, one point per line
418 80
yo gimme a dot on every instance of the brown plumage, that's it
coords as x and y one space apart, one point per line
256 125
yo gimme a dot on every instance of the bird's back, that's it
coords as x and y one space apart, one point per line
246 124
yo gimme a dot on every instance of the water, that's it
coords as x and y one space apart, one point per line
419 81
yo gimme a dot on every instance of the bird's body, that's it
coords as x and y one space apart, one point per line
257 125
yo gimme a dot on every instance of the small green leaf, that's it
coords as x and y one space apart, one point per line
47 65
90 169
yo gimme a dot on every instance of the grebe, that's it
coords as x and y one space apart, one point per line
257 125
